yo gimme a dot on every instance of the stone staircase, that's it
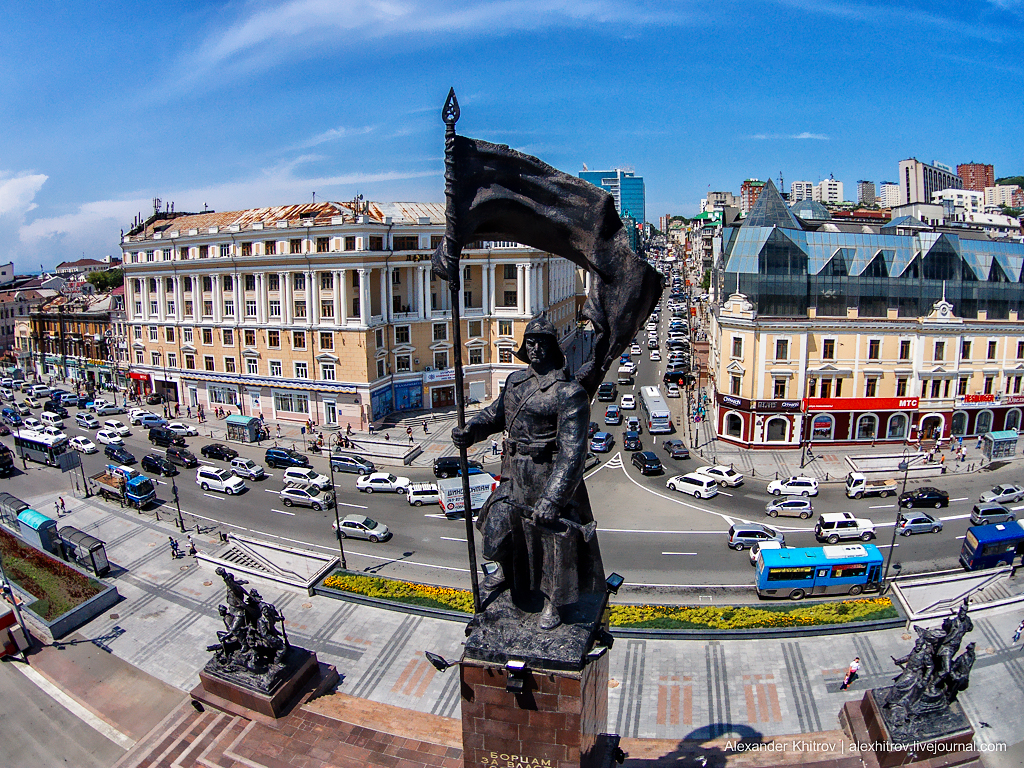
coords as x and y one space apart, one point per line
189 738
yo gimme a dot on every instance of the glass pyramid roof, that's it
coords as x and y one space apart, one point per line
771 211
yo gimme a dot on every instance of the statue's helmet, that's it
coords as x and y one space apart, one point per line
541 326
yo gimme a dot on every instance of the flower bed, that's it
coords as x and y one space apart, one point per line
638 616
56 587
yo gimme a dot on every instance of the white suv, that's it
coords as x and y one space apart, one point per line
724 476
794 486
307 476
834 527
216 479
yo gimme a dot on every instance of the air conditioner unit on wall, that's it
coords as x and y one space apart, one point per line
427 368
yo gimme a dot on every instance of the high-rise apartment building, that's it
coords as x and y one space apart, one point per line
919 181
976 176
889 194
750 190
1004 194
625 187
828 191
801 190
866 192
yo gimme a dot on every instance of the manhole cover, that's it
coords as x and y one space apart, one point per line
307 605
152 544
115 616
613 683
183 568
905 637
207 583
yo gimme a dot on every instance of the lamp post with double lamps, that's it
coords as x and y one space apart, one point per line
904 465
332 443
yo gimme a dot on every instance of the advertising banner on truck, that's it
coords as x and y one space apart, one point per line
450 492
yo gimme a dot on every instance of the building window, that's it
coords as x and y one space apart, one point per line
867 427
936 387
378 338
208 362
190 362
275 308
776 430
828 349
228 336
396 276
204 251
509 271
380 368
188 307
186 335
291 402
273 339
207 308
326 340
170 307
250 282
782 349
169 333
965 349
504 327
734 425
299 281
476 356
274 282
737 346
155 358
207 335
323 244
1016 384
301 370
275 369
989 380
403 363
401 334
225 251
901 386
247 249
229 365
504 355
327 308
295 245
207 283
779 388
376 243
992 350
475 329
183 254
154 307
252 366
440 331
735 384
510 299
300 309
441 360
812 388
298 339
961 386
152 333
871 387
138 309
139 358
897 427
270 249
228 283
327 371
350 243
940 350
250 308
250 337
874 349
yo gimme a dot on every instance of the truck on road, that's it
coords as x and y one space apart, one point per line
125 485
449 490
858 485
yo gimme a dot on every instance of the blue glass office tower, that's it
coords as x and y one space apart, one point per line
627 189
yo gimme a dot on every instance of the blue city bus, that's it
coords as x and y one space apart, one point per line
986 546
796 572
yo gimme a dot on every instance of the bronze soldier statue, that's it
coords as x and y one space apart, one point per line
533 525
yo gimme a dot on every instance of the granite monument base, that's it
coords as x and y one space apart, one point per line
300 668
946 741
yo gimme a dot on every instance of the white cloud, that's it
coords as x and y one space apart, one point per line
334 134
804 135
18 192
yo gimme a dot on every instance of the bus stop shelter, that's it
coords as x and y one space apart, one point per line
245 429
87 550
999 445
38 530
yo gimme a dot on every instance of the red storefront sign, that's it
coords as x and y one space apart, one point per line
860 403
138 376
979 398
1013 400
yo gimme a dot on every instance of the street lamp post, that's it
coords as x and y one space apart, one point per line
180 521
905 466
335 442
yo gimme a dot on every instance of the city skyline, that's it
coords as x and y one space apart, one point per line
246 105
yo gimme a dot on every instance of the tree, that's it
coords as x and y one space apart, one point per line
705 281
106 280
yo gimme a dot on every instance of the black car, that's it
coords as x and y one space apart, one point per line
448 466
181 456
285 457
675 377
155 399
119 454
164 437
151 462
631 441
924 497
53 407
607 392
592 428
648 463
218 451
676 449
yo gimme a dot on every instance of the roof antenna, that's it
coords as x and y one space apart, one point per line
314 198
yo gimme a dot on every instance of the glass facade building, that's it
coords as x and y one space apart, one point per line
626 187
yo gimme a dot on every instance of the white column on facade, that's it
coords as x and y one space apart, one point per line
462 297
491 283
261 286
161 299
364 297
528 286
179 298
239 291
337 285
313 297
484 290
145 298
285 294
520 289
342 291
421 280
383 298
218 298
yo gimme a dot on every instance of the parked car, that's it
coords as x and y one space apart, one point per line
742 535
22 409
87 420
109 437
218 451
4 429
307 476
1003 494
217 479
31 402
157 464
448 466
382 481
795 506
612 415
247 468
631 441
602 442
361 527
916 522
10 416
83 444
590 462
592 429
183 457
155 399
647 462
676 449
422 493
350 462
926 496
307 497
794 486
983 514
117 426
698 486
725 476
119 454
285 457
184 430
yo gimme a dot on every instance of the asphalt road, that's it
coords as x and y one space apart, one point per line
650 534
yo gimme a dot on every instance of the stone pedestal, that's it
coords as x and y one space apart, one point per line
560 716
946 743
232 692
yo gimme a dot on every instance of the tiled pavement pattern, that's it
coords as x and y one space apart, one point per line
668 689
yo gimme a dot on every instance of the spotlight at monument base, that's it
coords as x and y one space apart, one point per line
597 652
441 664
613 582
516 680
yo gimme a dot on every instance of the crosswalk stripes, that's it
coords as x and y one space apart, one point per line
615 462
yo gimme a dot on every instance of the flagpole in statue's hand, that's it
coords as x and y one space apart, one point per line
450 115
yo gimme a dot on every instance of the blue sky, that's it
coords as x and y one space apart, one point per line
244 104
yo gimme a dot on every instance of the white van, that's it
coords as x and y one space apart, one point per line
699 486
51 420
217 479
423 493
625 375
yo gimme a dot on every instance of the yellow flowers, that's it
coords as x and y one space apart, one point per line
641 616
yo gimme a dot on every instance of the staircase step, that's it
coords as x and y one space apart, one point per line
187 757
157 741
196 725
214 755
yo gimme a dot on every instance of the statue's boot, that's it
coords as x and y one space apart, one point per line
549 618
494 579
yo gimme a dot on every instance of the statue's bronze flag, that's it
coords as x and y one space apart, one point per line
502 194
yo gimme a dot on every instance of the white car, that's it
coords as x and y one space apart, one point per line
794 486
672 390
723 475
383 481
117 426
655 355
101 403
136 416
182 430
362 527
32 423
628 403
247 468
87 420
307 476
634 349
763 545
630 364
53 432
84 444
109 437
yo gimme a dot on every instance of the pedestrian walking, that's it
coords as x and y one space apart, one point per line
177 410
63 509
408 431
191 546
174 547
494 447
425 430
387 436
348 429
278 431
371 429
851 674
1016 634
188 411
56 508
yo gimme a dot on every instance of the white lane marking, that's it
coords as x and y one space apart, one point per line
725 517
212 496
955 517
723 493
282 512
632 530
884 546
1017 507
679 553
207 463
882 506
101 726
452 538
962 498
436 515
962 537
356 506
268 490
